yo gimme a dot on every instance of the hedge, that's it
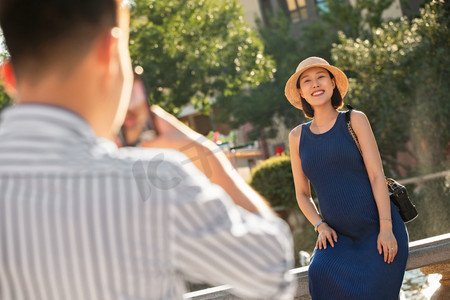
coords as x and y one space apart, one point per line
273 179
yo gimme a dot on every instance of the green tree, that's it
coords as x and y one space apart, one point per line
402 83
354 20
260 104
192 50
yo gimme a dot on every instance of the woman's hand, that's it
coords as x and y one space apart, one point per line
387 244
326 233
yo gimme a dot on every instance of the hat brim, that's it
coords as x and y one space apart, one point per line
291 91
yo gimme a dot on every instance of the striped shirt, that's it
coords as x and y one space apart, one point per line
80 219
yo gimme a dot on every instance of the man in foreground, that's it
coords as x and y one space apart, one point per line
81 220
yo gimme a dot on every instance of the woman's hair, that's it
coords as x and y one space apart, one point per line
336 100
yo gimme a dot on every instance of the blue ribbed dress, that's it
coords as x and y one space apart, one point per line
353 269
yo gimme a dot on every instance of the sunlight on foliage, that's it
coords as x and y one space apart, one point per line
194 50
402 83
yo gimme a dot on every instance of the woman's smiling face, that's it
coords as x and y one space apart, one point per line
316 86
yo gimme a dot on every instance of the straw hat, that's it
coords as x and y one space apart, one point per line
291 90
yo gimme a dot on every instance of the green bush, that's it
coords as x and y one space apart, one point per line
5 100
273 180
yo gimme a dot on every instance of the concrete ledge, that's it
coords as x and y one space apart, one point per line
422 253
429 251
302 283
222 292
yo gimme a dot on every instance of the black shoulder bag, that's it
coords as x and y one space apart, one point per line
397 192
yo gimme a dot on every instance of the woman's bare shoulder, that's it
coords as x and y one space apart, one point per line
296 132
358 119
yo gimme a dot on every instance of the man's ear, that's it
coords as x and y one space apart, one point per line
300 92
333 80
8 78
107 52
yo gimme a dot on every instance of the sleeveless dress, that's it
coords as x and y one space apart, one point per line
352 269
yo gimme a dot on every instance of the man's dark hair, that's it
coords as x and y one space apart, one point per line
336 100
37 32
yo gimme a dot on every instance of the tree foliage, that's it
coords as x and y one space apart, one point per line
402 83
354 20
259 105
273 180
5 100
192 50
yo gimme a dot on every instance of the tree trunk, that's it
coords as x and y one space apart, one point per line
263 144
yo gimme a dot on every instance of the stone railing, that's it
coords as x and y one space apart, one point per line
431 255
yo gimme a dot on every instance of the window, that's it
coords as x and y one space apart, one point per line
322 5
297 10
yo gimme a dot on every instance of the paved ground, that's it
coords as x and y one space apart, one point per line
418 286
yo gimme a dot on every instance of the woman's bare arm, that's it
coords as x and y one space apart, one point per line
374 166
303 193
208 158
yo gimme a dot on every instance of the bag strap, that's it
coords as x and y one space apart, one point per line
350 128
389 181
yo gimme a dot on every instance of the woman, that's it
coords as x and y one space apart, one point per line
362 246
